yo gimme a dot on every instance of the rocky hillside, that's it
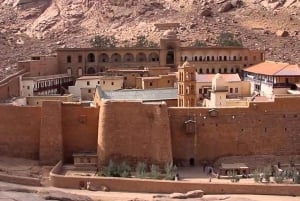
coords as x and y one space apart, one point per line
40 26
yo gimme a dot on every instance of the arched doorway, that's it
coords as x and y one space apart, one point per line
170 56
91 71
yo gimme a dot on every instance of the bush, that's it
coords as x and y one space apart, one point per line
267 174
170 171
142 41
111 170
256 175
100 41
297 178
140 170
198 43
278 178
233 176
154 172
124 170
228 39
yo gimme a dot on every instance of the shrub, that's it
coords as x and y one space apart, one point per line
278 178
101 41
111 170
141 169
124 170
170 171
228 39
256 175
199 43
267 174
142 41
154 172
297 178
233 176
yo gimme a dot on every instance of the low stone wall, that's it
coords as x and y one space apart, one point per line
162 186
20 180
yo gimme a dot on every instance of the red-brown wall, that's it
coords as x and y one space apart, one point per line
79 128
20 131
261 129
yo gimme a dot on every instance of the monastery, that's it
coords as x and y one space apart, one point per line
158 126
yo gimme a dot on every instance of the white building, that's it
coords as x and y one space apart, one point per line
45 85
85 86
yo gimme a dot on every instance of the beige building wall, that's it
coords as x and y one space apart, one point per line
40 65
163 81
37 100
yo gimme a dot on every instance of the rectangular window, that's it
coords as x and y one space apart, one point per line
231 90
246 58
89 91
88 83
98 82
150 83
28 87
112 83
236 90
79 59
103 82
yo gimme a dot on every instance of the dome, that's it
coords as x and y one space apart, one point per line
170 34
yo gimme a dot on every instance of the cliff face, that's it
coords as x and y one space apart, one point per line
40 26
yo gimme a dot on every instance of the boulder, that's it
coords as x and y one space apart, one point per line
177 196
282 33
195 194
206 12
225 8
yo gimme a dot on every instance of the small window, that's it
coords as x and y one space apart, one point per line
103 82
28 87
236 90
112 83
168 81
125 78
89 91
246 58
88 83
98 82
79 59
69 59
150 83
231 90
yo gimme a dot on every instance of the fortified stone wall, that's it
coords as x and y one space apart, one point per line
20 131
10 87
132 132
262 129
79 128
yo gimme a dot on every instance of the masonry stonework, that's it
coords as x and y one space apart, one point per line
133 131
51 141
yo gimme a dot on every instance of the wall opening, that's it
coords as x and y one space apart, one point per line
192 162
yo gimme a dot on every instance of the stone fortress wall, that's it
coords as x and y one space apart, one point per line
154 133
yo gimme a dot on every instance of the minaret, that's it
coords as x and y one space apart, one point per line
186 85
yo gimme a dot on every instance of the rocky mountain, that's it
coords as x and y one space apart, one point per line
40 26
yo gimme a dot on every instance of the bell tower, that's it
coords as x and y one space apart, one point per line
187 85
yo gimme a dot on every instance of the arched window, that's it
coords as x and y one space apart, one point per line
196 58
79 59
103 58
91 57
69 71
69 59
128 57
213 71
116 57
141 57
200 58
200 71
207 71
220 70
153 57
225 70
185 58
237 70
232 71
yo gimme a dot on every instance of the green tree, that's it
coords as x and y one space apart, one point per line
142 41
199 43
101 41
228 39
